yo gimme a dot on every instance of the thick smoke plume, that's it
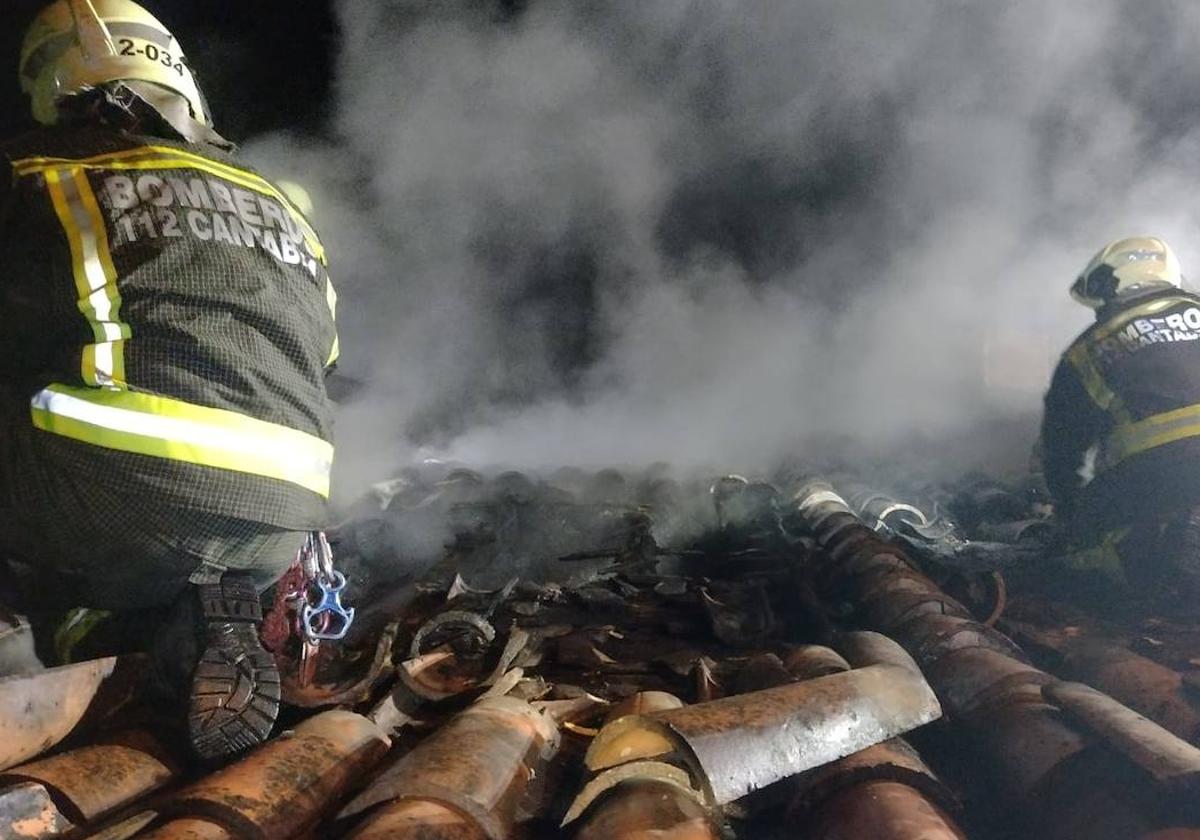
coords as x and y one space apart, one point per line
715 232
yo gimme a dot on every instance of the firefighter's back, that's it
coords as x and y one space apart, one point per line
185 318
165 435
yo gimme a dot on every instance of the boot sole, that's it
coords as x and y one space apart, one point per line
235 692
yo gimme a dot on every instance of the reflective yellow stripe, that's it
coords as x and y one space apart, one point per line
1122 320
33 163
1132 438
1093 381
103 361
168 428
76 626
164 157
1084 362
1103 558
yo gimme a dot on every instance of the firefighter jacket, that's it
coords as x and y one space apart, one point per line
169 318
1124 406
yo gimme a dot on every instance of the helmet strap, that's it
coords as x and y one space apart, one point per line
93 35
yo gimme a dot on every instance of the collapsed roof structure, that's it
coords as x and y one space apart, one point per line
611 656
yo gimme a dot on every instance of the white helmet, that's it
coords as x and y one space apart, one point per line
1124 267
75 45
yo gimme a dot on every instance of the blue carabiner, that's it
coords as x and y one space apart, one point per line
315 619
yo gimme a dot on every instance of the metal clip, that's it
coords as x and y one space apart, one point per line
307 560
323 554
315 621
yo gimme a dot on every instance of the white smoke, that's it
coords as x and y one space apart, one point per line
717 232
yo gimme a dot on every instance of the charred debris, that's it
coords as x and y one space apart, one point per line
602 655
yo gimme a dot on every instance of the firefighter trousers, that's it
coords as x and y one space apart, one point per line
1158 558
70 539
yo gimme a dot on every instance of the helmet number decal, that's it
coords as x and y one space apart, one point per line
152 52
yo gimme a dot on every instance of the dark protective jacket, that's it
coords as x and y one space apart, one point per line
1126 398
169 318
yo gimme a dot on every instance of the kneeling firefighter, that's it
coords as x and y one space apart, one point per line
1121 430
166 441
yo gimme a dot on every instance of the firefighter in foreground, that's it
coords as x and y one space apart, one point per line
1121 431
166 436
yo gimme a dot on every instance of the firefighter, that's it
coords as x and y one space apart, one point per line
166 439
1121 430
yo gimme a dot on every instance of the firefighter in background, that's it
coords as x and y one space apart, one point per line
1121 430
168 324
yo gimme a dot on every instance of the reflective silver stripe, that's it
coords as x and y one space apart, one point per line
144 31
331 301
101 309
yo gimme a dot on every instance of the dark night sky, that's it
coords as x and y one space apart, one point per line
264 65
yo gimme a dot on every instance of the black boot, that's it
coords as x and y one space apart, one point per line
235 688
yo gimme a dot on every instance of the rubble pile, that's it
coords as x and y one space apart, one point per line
609 656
